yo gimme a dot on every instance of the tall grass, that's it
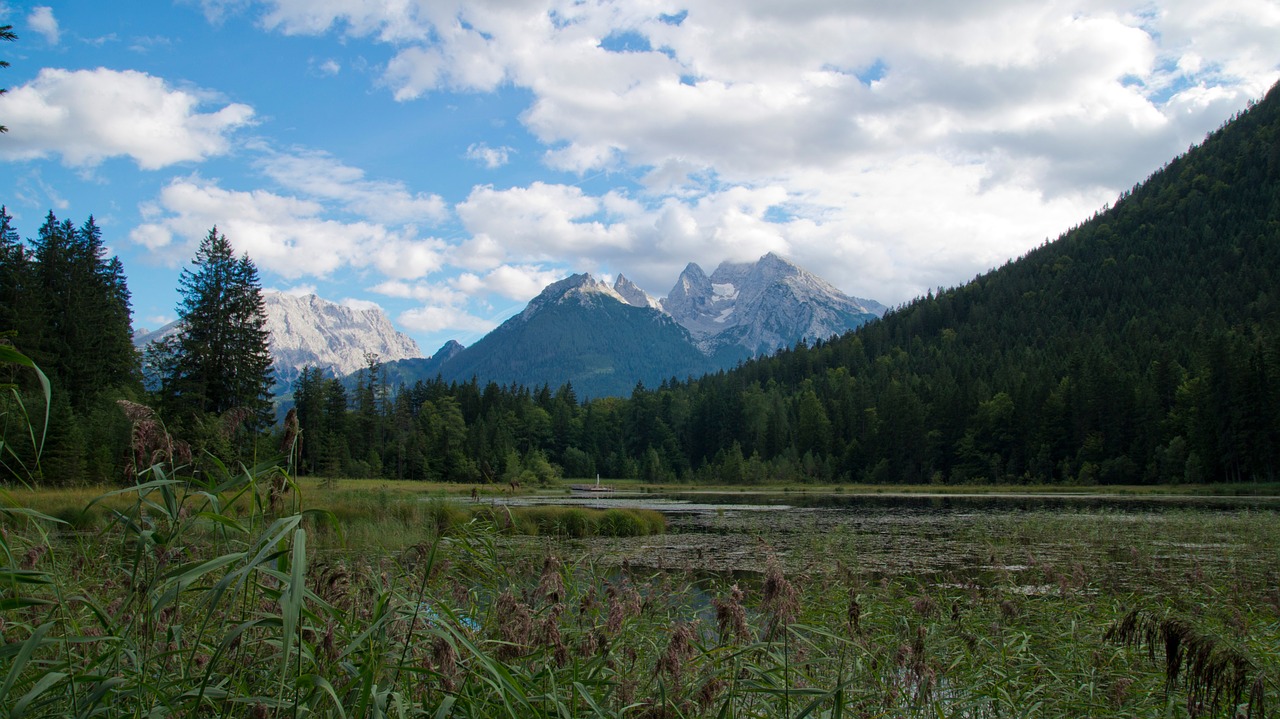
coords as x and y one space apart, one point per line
197 599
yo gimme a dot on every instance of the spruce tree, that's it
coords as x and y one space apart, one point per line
6 33
15 278
84 339
220 360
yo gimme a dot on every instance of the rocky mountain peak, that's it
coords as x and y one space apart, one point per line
688 299
448 350
579 286
632 294
309 331
761 306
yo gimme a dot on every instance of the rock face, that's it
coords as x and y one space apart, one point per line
605 338
756 308
633 295
310 331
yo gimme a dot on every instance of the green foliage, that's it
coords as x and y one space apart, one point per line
219 361
65 304
6 33
23 432
196 599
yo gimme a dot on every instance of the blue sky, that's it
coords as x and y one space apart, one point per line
446 160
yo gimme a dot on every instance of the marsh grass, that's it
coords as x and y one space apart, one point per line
227 594
195 599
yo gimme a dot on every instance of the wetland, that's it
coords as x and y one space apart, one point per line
381 601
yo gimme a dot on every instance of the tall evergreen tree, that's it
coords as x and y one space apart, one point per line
84 337
6 33
220 360
15 278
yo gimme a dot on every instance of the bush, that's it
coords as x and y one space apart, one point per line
621 523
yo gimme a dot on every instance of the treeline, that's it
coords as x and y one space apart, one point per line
65 305
1142 346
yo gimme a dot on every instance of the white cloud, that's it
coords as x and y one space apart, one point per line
42 21
516 282
285 235
295 291
438 319
480 252
490 157
330 67
87 116
889 147
322 177
359 304
540 222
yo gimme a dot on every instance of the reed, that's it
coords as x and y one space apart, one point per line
196 599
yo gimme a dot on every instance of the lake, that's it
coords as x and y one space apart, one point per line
944 538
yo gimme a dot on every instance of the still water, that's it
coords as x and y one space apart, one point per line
943 538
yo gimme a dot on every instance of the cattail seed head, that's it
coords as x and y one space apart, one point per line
731 617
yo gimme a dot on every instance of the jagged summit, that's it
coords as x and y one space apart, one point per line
311 331
762 306
583 331
604 338
631 293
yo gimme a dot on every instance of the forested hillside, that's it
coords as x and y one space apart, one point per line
65 304
1141 346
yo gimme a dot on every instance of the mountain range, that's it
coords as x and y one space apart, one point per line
604 339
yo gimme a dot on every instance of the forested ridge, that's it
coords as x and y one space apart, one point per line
1141 346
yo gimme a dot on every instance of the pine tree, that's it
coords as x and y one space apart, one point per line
6 33
15 278
84 340
220 360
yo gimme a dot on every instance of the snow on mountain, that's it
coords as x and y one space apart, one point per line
310 331
584 332
762 306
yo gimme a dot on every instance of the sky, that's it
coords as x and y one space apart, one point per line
445 160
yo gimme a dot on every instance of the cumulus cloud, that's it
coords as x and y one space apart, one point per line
286 235
87 116
890 147
301 290
490 157
359 304
541 222
42 21
450 305
436 319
